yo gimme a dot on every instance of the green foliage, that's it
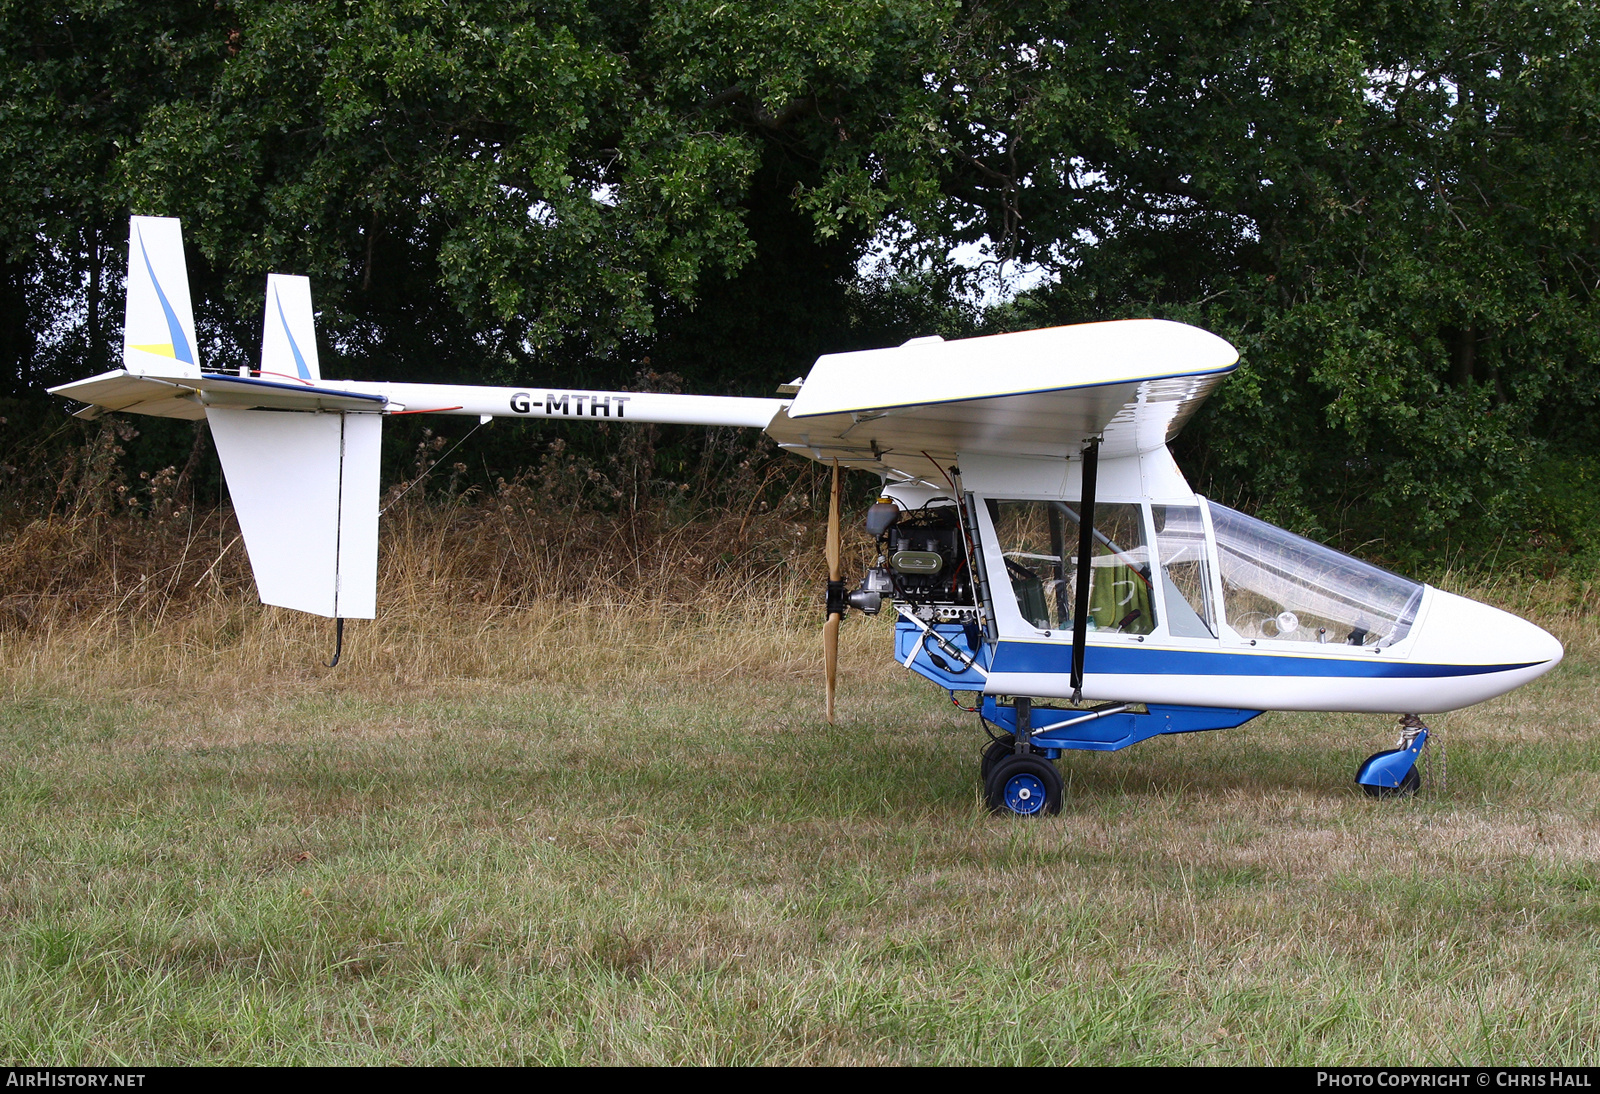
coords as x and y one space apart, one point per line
1393 210
1560 512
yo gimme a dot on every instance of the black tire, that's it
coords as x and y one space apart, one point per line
1408 785
1026 786
993 754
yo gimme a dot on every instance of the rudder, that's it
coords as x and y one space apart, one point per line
305 490
158 328
288 335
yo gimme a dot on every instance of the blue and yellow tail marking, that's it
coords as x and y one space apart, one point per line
178 349
299 361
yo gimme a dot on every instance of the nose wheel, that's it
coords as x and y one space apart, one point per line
1393 773
1410 783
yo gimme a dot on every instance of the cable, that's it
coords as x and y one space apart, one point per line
431 466
984 724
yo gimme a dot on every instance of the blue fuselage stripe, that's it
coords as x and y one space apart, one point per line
1040 657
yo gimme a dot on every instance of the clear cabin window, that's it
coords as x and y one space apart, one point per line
1039 541
1185 564
1279 586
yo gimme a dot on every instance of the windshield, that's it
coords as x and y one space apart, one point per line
1277 585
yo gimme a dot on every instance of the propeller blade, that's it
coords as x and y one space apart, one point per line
830 630
830 657
835 544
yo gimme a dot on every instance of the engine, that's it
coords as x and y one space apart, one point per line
922 563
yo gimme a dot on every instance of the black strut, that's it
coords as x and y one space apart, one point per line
1023 744
1080 615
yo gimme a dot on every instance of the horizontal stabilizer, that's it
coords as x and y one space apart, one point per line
305 490
158 331
288 336
190 397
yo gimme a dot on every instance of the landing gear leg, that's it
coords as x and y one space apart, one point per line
1018 780
1393 774
1020 743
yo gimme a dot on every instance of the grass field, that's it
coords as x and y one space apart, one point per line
624 835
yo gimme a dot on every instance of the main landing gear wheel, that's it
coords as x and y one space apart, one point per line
1409 785
1026 786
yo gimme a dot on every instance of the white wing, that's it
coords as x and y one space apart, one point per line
305 490
1033 393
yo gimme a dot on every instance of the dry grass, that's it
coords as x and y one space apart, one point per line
570 799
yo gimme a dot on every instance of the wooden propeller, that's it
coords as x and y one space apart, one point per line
830 629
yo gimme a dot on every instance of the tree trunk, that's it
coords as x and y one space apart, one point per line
16 337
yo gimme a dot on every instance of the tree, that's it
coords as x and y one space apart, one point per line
1390 208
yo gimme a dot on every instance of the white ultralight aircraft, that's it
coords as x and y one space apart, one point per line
1038 543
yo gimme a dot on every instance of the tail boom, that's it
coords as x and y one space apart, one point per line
544 403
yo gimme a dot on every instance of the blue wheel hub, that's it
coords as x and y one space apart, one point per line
1024 794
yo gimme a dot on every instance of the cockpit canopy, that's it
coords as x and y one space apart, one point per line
1276 584
1154 567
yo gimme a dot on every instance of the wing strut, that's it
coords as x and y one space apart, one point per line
1080 613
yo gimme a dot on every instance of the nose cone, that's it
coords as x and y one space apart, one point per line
1479 652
